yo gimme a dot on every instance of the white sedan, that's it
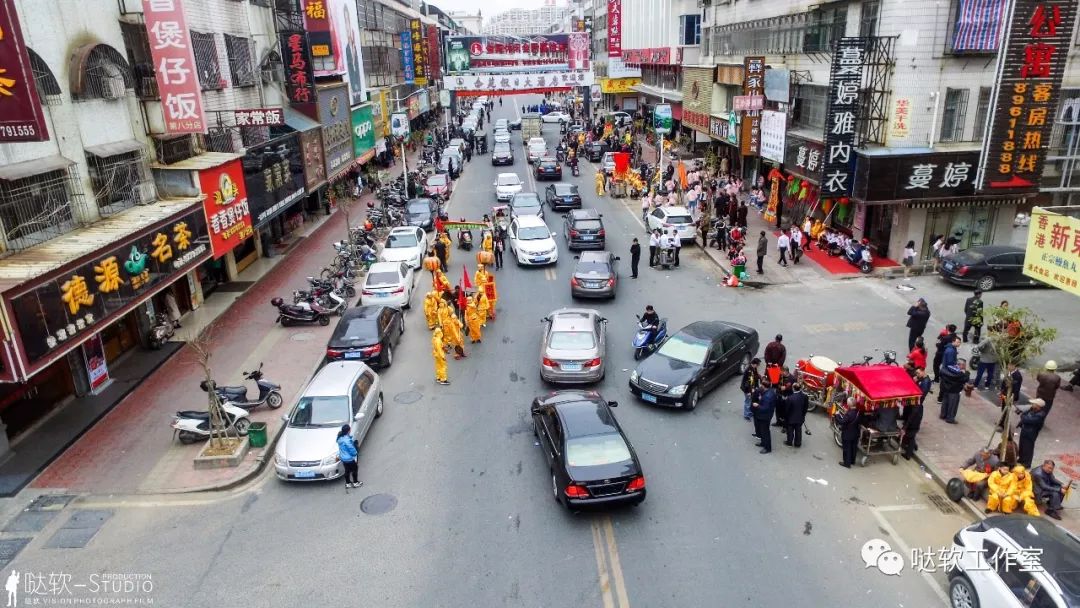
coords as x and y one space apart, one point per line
388 284
506 186
405 244
559 117
502 136
532 243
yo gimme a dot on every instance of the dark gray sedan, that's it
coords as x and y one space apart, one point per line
595 275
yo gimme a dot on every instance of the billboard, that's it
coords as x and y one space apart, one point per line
408 60
347 47
662 118
419 50
1053 250
299 73
228 216
363 126
507 54
434 54
174 66
753 87
841 117
21 116
520 83
614 28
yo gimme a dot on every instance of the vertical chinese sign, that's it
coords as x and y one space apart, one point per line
228 216
299 74
408 61
753 85
434 56
841 117
420 65
21 116
174 65
317 24
614 28
1053 250
1031 64
900 123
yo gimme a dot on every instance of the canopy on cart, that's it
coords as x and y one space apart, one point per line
880 382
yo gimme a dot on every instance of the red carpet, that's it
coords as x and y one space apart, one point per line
838 265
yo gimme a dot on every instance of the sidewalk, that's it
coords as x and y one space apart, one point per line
132 450
943 448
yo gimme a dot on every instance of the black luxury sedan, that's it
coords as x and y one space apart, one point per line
368 334
693 361
987 267
584 229
562 196
502 154
548 168
422 212
592 463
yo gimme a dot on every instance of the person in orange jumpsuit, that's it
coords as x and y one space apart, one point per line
472 319
439 355
431 309
492 295
483 307
451 330
1022 495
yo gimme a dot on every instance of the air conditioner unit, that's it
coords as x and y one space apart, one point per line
112 88
147 193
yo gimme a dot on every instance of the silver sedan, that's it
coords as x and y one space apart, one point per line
574 346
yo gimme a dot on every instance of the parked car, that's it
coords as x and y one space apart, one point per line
502 154
548 168
987 267
421 212
666 218
458 144
342 392
584 229
621 118
439 184
406 244
562 196
526 203
595 150
556 116
531 242
595 275
502 123
692 362
501 136
388 283
574 346
590 460
506 186
1014 560
368 334
607 164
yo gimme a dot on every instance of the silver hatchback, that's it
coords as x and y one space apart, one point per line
574 347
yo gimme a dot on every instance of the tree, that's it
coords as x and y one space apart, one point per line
222 434
1017 335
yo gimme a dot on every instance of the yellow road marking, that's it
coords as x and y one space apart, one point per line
616 566
601 567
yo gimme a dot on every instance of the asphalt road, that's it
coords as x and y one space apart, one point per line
473 522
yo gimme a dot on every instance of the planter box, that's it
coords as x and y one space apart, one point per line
221 462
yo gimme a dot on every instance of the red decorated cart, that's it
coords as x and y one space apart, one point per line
879 392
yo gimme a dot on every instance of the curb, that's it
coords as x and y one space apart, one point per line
940 479
727 273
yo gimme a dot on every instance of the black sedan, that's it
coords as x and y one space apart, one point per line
694 361
502 154
594 150
368 334
562 196
422 212
591 462
987 267
548 168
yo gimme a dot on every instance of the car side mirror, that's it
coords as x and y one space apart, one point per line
552 235
546 320
617 258
285 418
613 404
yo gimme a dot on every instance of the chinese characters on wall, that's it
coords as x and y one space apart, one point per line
174 66
900 122
614 28
916 176
1053 250
753 85
259 117
21 116
419 49
317 24
841 119
299 73
408 61
228 215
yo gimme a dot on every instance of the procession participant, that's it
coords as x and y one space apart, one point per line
451 329
488 244
472 319
480 276
1001 484
438 354
483 306
492 295
599 183
1023 493
444 238
431 309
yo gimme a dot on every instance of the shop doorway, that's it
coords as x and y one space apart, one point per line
877 227
121 336
971 226
22 405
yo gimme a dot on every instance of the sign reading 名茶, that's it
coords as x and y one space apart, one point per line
1053 250
299 73
773 131
1031 64
419 50
753 86
21 116
841 117
408 60
614 28
900 121
803 157
174 66
259 117
915 176
228 217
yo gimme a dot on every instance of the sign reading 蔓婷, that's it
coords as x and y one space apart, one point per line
1053 250
1031 64
915 176
803 157
841 118
174 66
21 116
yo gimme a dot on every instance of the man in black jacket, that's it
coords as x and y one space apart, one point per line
849 433
973 311
912 416
762 250
1048 489
944 341
635 258
796 404
1031 424
750 381
953 379
764 405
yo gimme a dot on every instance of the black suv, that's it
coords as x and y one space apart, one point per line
594 150
583 229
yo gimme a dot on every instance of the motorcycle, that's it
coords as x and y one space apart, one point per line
464 240
289 314
574 170
190 426
887 358
718 234
161 332
858 255
269 393
648 338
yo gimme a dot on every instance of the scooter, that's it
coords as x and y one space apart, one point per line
190 426
289 314
574 170
161 332
269 393
648 339
858 255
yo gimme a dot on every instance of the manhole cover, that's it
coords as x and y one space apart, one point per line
30 521
377 504
50 502
408 397
301 337
942 503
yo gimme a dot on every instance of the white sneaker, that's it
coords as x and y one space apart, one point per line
348 485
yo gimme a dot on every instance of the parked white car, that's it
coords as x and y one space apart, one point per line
666 218
502 136
535 152
506 186
559 117
531 242
388 284
405 244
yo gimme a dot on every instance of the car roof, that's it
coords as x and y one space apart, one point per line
675 210
583 413
568 319
602 257
548 159
530 221
384 267
405 230
508 174
1060 556
363 312
584 214
335 379
708 330
994 249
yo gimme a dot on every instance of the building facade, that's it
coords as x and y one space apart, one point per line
468 23
526 22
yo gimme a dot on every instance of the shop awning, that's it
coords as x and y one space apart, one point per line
668 95
206 160
970 201
298 122
115 148
34 167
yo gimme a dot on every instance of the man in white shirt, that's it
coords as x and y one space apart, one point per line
782 244
676 242
796 244
646 206
654 246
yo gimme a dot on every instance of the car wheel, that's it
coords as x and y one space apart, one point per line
986 282
401 326
379 407
744 364
242 426
555 488
388 356
962 594
692 399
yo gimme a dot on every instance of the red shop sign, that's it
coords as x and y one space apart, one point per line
21 117
614 28
174 66
228 217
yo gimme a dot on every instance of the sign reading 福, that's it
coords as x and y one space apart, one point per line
174 66
841 118
1053 250
21 116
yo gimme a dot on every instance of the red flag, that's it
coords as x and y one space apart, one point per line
462 301
465 277
438 225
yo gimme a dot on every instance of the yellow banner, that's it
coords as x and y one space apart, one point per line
618 85
384 113
1053 250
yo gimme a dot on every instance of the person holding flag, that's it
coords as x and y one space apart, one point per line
488 287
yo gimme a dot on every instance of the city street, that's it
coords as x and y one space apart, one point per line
469 520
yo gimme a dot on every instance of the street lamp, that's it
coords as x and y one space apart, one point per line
404 159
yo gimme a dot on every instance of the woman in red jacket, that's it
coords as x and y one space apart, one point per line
917 356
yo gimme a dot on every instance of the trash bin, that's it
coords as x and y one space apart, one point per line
739 270
257 435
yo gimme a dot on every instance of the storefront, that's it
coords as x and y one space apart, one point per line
336 118
363 133
724 130
311 149
274 177
800 191
228 220
619 93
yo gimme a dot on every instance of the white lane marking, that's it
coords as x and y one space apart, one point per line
895 536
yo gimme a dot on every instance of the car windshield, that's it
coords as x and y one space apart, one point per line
509 180
587 225
418 208
382 278
565 189
533 233
679 219
536 141
436 180
396 241
537 148
596 450
501 148
320 412
524 202
571 340
685 349
357 329
548 164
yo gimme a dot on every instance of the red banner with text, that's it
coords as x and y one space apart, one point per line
228 217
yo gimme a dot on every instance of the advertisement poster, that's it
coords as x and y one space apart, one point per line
900 121
483 54
399 125
21 116
347 46
174 62
363 126
228 216
1052 255
536 82
662 121
97 367
408 60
